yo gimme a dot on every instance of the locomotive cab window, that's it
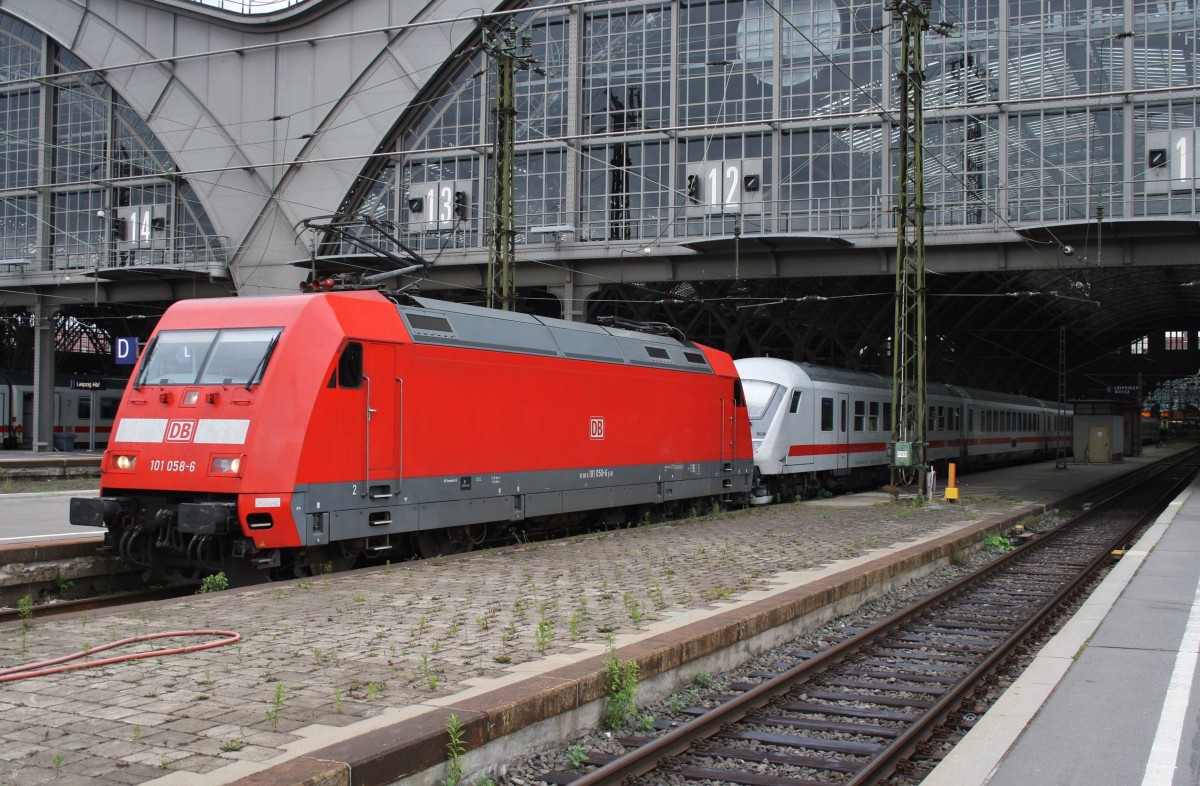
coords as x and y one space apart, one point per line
350 366
231 356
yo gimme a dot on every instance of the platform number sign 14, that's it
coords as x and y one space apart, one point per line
143 225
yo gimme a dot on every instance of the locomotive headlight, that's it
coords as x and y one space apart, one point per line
225 465
124 462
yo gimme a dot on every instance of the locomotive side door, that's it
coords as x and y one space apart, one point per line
729 424
381 411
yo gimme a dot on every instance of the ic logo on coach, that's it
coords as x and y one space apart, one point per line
597 428
181 430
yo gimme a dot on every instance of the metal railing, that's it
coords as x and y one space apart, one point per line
199 254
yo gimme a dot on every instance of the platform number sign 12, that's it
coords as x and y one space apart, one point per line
724 187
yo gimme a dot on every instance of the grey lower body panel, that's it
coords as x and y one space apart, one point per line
332 512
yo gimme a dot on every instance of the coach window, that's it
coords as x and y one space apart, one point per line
873 417
941 419
860 415
350 366
844 411
887 416
826 414
795 406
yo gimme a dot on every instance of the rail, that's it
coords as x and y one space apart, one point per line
888 690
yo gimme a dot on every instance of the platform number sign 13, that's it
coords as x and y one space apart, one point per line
438 206
596 427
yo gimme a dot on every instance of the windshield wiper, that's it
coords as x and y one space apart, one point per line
145 366
262 362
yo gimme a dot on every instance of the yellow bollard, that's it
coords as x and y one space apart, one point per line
951 489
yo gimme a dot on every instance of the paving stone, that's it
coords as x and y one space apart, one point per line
404 628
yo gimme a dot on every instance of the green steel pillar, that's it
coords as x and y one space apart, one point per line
909 413
509 55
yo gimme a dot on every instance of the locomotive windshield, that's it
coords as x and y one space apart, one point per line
232 356
759 395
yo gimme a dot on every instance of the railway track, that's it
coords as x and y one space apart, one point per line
890 700
96 602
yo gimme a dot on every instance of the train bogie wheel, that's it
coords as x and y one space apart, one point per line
321 560
443 542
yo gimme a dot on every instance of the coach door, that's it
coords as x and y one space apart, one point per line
843 433
800 427
381 413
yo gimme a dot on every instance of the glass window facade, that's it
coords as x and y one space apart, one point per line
1032 115
95 188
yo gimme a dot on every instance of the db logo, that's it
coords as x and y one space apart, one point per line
181 430
597 428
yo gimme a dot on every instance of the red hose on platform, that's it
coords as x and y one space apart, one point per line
42 668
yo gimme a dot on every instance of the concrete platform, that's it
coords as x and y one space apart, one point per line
27 464
351 678
1112 699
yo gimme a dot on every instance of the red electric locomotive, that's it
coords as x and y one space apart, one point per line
267 436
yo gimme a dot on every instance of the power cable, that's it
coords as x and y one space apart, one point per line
54 666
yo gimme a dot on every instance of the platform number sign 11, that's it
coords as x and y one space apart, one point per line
1171 163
